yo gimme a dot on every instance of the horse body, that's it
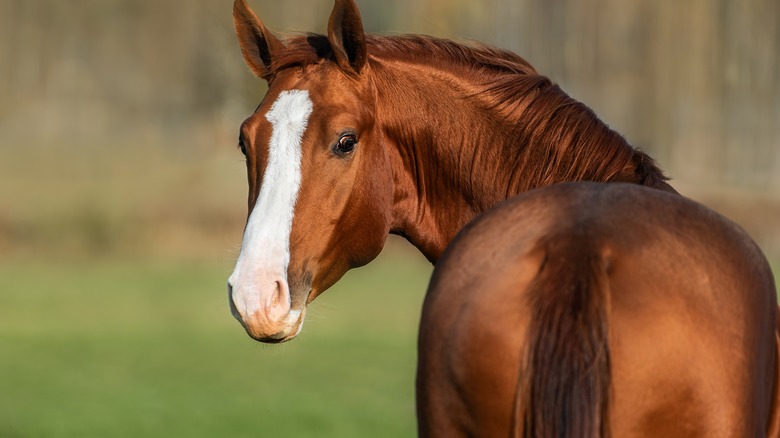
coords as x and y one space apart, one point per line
584 309
360 136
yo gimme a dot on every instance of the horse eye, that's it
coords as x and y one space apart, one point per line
242 146
346 144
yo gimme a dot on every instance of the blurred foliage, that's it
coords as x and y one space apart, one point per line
118 117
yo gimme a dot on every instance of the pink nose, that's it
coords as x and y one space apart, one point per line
266 316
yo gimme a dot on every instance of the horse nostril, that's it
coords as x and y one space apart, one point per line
278 304
232 304
278 293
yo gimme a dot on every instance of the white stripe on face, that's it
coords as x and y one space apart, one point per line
265 250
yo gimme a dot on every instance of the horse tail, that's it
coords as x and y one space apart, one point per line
564 385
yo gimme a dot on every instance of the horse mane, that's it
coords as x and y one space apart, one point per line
565 135
551 136
302 50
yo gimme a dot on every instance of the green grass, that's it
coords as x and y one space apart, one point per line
149 349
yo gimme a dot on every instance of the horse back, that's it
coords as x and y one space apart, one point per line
689 310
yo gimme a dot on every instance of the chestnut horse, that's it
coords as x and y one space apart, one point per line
587 309
359 136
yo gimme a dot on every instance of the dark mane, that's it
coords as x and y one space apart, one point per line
310 49
550 136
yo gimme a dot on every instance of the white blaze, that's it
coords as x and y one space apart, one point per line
265 249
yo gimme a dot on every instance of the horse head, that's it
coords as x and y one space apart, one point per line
320 185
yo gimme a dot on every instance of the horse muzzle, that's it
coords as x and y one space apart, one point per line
263 309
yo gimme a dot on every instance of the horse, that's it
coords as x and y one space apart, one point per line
591 310
361 136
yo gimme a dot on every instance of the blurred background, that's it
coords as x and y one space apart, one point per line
123 198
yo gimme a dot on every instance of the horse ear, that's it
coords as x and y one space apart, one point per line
346 36
258 45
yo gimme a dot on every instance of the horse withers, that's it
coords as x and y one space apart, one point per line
585 309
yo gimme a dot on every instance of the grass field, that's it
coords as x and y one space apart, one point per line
143 349
148 349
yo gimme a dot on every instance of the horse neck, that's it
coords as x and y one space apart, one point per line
459 147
